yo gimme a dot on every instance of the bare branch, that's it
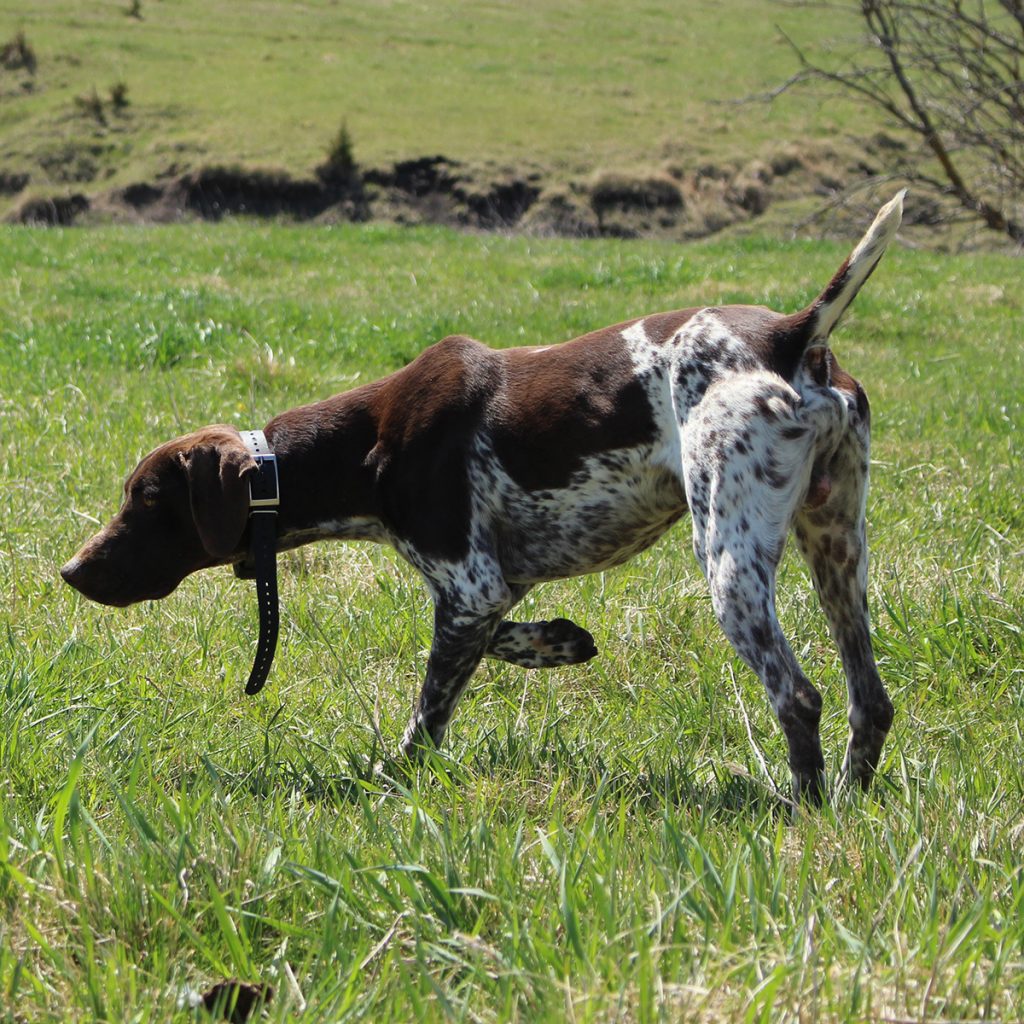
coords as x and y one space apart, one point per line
950 73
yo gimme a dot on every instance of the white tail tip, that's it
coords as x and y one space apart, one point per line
843 288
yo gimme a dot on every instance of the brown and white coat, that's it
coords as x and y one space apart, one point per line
493 471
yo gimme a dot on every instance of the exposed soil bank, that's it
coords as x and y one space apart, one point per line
671 202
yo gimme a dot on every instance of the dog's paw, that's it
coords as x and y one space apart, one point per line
542 644
564 643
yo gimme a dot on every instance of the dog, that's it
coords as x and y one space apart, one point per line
491 471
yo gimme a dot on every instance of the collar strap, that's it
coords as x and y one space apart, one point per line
261 561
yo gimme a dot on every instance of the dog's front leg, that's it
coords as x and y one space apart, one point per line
464 625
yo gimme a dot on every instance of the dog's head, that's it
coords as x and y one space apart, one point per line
185 508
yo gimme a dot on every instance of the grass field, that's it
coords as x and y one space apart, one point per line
593 844
576 86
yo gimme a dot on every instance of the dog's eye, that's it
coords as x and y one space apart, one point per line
149 499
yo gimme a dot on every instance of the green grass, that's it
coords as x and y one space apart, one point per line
593 844
547 84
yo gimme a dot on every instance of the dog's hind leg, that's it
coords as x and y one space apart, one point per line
742 589
747 463
541 644
831 536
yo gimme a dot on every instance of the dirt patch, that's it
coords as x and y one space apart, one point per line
216 192
670 201
437 190
12 182
55 211
629 205
562 211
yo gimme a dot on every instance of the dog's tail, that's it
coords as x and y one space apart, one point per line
823 314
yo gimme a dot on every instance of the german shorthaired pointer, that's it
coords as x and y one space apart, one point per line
493 471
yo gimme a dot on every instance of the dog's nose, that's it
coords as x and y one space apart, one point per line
74 573
68 570
82 574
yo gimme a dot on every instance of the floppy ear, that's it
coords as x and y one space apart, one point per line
219 492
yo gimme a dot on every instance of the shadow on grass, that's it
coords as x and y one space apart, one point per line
723 792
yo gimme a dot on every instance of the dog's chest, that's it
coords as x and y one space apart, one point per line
617 504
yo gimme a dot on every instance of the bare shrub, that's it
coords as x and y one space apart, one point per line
948 72
90 105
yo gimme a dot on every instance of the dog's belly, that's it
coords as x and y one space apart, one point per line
617 505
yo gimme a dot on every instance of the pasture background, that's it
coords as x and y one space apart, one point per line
596 843
562 88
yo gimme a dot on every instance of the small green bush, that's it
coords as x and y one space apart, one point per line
340 167
119 95
17 53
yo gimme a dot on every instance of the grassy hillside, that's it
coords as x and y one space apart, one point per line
594 844
572 86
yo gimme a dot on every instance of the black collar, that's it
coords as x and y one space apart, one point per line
261 562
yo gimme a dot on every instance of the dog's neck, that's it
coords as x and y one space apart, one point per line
325 482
